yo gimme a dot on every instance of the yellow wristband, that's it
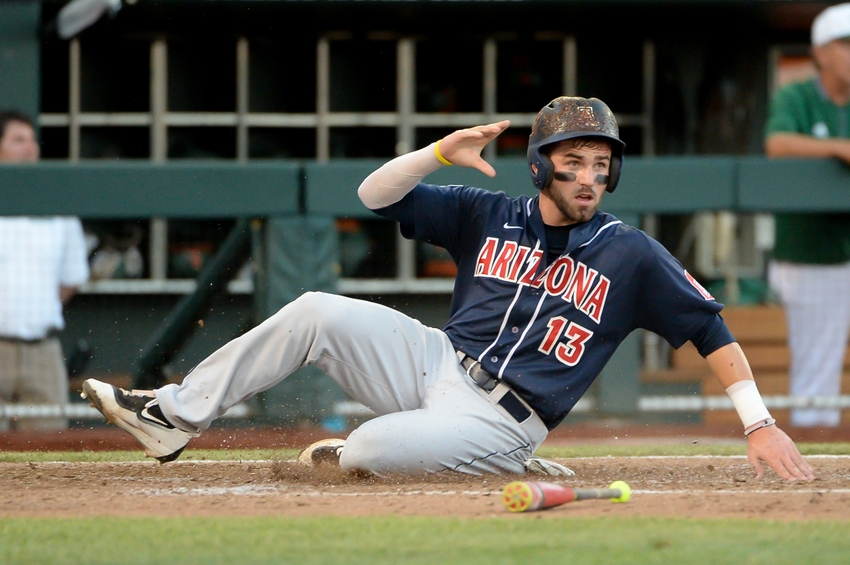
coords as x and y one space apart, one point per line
439 155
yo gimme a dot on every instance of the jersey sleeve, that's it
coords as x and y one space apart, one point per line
786 112
434 214
671 302
712 336
75 267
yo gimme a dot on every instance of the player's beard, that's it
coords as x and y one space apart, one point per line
568 206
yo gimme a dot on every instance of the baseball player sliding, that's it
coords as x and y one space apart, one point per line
547 288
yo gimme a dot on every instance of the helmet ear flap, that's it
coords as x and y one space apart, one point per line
548 172
614 172
541 168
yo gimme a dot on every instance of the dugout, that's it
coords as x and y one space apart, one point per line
166 124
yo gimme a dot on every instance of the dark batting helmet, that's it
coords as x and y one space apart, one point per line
568 117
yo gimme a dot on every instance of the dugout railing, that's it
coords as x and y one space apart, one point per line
650 186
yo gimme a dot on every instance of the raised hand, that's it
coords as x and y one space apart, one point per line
463 147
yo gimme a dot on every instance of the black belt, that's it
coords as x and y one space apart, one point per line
510 401
50 334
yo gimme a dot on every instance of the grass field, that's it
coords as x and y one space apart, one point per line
419 540
507 538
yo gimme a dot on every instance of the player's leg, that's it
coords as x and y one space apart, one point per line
378 356
817 310
456 429
43 380
9 372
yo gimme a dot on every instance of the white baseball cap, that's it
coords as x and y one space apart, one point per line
833 23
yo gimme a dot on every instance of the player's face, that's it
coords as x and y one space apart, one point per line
834 60
18 144
581 175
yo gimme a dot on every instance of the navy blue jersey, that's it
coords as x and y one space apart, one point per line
548 330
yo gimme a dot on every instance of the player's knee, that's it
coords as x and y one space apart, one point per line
319 308
372 451
361 452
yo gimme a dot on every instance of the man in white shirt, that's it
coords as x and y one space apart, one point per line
42 262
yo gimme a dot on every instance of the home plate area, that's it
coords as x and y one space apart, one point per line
697 487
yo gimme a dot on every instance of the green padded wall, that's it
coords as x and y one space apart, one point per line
20 56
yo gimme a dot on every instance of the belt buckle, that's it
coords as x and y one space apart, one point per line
470 367
487 381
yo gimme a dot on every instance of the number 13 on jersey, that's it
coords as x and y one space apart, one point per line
569 353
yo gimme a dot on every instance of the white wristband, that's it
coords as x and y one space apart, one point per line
747 400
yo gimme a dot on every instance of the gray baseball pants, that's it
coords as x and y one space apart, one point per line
431 415
33 373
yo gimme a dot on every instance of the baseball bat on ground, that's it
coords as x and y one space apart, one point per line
526 496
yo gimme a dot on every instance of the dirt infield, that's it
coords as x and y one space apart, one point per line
699 487
662 486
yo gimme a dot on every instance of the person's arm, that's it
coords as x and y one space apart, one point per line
74 267
392 181
66 293
800 145
766 442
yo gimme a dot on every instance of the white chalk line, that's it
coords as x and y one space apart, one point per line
821 456
267 461
782 492
266 490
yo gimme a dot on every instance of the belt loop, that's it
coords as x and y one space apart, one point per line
463 357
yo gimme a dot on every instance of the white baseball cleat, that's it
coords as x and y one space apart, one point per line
546 467
137 412
326 451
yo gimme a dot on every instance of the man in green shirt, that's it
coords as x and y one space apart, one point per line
810 269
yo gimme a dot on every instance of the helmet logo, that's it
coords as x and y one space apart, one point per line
586 117
587 111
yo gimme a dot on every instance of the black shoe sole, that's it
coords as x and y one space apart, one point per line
170 457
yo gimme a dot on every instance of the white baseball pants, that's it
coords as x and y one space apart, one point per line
816 299
431 415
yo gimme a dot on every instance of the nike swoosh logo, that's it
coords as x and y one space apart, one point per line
509 227
145 415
